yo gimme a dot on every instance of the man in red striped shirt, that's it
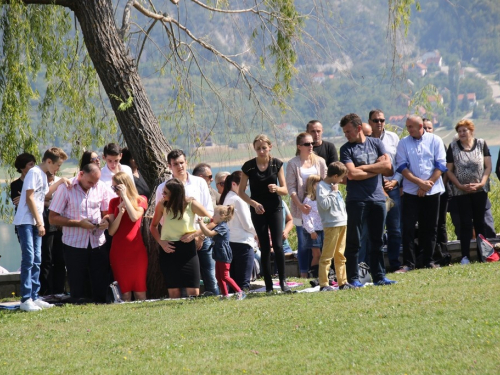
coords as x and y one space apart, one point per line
80 210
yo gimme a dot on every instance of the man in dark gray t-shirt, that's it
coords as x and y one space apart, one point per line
321 148
366 161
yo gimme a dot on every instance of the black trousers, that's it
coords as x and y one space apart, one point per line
53 268
471 209
270 221
441 251
425 211
87 266
242 264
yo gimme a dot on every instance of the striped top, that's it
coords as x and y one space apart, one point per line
76 204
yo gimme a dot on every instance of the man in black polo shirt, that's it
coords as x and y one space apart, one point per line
321 148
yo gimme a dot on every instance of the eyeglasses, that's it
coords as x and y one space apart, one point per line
93 160
379 120
308 144
220 183
209 176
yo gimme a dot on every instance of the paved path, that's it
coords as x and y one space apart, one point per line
495 86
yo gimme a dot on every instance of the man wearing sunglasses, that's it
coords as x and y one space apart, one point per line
321 148
390 140
204 171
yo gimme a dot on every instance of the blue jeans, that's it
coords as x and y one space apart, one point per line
303 253
207 267
394 237
31 257
372 215
393 226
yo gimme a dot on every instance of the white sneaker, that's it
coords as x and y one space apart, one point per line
29 306
42 304
465 261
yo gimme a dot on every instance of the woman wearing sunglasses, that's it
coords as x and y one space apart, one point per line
303 165
89 157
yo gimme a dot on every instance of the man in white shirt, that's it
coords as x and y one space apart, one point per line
197 188
390 140
30 226
112 154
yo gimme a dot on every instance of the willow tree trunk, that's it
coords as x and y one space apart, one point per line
120 79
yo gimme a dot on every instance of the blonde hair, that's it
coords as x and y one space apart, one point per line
226 212
132 194
298 142
310 190
263 138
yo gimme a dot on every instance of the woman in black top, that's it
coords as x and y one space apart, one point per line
140 183
264 173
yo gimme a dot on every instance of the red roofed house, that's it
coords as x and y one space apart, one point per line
471 97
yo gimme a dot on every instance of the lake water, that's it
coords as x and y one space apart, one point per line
11 252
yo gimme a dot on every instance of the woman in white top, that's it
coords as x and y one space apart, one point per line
241 232
305 164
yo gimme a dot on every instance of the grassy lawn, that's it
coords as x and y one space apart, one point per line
443 321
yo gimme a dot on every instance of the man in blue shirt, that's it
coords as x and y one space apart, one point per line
366 161
421 159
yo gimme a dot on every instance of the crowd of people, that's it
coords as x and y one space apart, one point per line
397 191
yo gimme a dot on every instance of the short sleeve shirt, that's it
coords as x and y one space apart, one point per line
259 180
365 153
327 151
35 180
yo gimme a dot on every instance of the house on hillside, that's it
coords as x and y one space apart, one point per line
433 99
432 58
403 100
319 77
471 98
399 120
420 68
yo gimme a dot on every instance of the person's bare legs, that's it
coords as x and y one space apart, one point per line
192 292
127 296
316 254
140 296
174 293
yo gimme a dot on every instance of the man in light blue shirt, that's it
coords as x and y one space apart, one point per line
421 159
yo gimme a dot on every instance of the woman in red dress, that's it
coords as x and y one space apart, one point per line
128 255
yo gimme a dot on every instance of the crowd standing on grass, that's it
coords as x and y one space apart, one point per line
398 192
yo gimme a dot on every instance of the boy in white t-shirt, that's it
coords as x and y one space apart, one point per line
30 227
112 154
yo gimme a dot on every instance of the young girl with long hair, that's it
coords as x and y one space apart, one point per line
179 261
264 173
128 255
311 224
222 253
